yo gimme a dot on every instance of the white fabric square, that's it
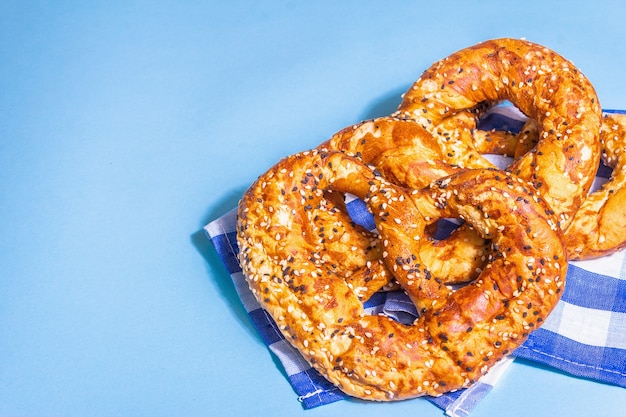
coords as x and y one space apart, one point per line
611 265
497 371
225 224
553 321
585 325
243 290
617 331
289 357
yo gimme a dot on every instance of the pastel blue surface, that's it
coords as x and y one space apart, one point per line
126 126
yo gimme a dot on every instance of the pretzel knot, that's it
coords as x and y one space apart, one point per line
408 155
598 227
289 231
544 86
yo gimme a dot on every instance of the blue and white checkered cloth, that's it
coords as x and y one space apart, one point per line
585 335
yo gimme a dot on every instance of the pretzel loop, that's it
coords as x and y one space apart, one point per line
544 86
598 227
408 155
459 334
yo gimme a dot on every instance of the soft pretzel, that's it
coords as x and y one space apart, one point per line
599 225
401 149
543 85
459 334
408 155
502 142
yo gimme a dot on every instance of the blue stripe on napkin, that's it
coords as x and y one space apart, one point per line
593 362
608 293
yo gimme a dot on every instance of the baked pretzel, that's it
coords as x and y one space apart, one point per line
402 150
544 86
408 155
599 225
459 334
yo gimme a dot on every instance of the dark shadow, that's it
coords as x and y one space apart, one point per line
200 240
386 104
215 268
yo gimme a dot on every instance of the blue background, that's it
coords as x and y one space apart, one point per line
125 126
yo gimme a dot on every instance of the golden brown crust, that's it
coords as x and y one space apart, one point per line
408 155
459 334
513 144
402 150
543 85
599 225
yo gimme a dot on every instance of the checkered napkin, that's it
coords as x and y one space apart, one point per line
584 336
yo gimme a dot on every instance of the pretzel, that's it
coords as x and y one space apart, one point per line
408 155
599 225
544 86
459 334
502 142
402 150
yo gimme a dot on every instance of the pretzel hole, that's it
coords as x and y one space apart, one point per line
442 228
391 300
503 116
